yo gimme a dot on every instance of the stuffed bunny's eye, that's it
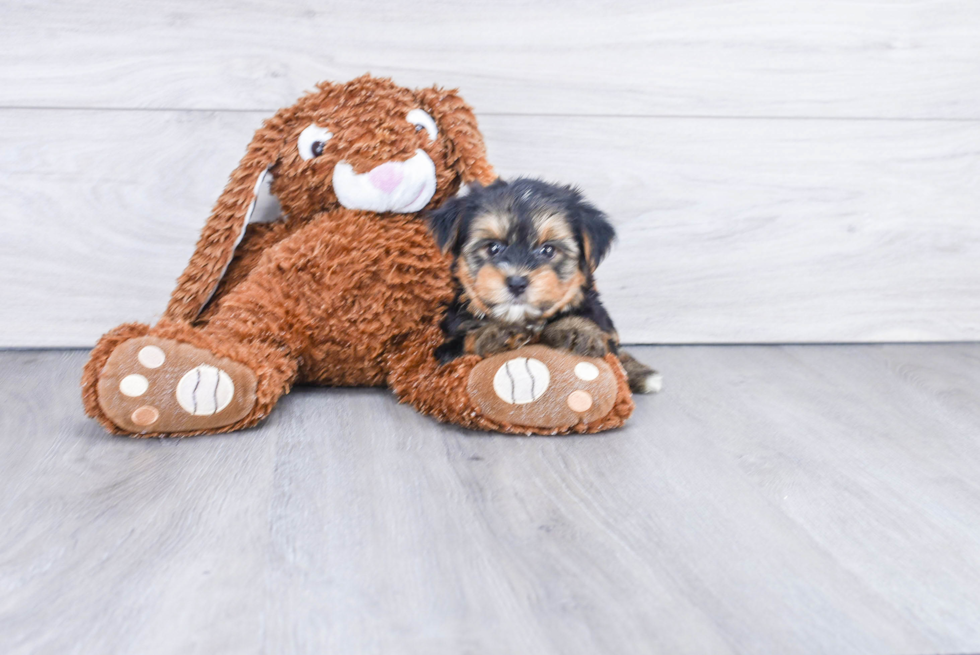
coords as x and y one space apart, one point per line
422 121
311 141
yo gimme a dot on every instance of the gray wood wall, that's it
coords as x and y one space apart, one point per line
778 171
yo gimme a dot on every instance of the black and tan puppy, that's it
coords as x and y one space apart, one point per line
524 255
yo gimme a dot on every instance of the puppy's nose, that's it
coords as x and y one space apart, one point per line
386 177
517 284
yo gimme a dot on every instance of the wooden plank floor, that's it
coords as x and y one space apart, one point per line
773 499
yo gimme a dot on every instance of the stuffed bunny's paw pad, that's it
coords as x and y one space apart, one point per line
154 385
540 387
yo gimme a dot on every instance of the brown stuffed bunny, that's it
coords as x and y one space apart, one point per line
347 288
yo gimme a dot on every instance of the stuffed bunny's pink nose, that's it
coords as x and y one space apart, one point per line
386 177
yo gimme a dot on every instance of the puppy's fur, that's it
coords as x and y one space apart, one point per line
524 254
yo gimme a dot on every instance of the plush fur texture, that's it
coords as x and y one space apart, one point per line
328 294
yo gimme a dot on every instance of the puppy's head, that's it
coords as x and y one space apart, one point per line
524 250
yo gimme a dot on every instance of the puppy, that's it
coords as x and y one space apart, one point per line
524 255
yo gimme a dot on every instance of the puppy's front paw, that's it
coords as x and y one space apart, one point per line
495 338
578 335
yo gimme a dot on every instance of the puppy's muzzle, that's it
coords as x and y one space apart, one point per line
402 187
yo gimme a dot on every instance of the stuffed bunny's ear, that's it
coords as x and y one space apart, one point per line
246 198
457 120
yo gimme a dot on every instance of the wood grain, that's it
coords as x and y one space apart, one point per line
853 58
790 499
730 230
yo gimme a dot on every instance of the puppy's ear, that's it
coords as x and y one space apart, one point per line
456 119
595 232
446 223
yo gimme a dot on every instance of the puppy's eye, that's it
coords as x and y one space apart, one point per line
312 140
494 248
547 251
422 121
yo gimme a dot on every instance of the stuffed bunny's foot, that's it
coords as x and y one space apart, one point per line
155 385
541 387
